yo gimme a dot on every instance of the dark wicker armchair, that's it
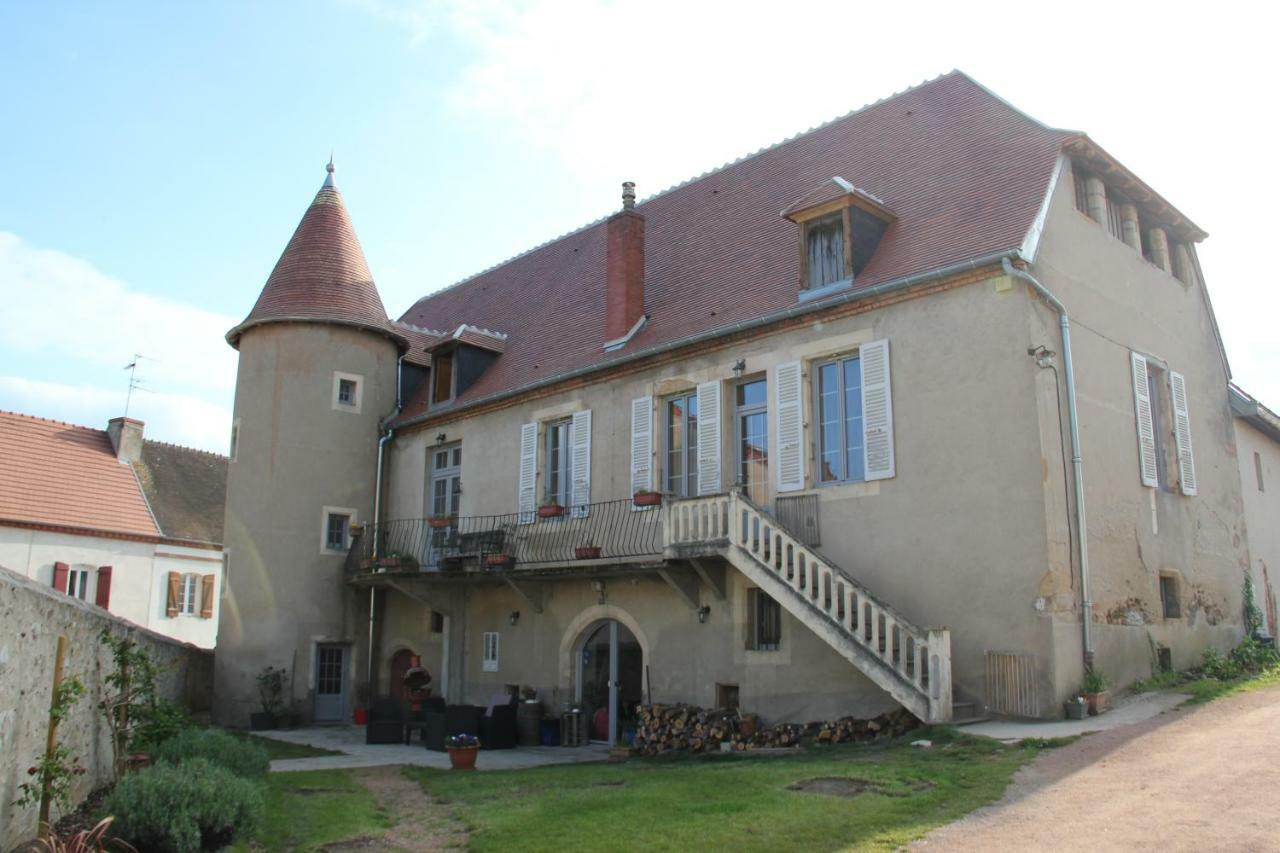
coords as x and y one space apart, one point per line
386 722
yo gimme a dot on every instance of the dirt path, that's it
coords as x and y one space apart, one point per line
1207 778
420 823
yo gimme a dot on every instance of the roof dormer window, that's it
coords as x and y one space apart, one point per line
840 228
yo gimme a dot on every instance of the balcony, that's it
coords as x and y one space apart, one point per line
611 533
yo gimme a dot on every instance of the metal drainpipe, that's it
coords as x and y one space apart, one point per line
386 436
1077 462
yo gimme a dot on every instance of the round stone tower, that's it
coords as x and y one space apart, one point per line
317 375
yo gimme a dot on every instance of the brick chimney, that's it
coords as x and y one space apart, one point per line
126 439
624 268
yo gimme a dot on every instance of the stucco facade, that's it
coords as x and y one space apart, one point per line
1259 457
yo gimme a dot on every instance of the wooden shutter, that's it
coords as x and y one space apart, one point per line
1182 432
580 454
102 593
206 596
528 494
641 446
789 426
60 572
877 411
1146 430
174 596
709 438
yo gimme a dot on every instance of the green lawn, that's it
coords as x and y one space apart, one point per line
1204 689
309 809
281 749
733 801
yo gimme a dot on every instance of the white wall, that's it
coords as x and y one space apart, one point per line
139 575
1261 514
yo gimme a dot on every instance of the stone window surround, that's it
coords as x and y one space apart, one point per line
327 511
354 406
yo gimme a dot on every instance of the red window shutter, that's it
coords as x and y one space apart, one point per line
175 592
206 597
60 571
102 596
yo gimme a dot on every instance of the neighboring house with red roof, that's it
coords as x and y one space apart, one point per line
110 517
917 389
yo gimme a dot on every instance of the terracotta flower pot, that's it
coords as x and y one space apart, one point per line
440 522
463 757
647 498
550 511
361 716
587 552
498 561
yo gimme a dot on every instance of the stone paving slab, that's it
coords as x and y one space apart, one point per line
349 741
1132 709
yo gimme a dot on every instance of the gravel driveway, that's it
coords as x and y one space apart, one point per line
1207 778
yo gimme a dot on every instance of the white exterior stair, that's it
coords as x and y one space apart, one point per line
911 664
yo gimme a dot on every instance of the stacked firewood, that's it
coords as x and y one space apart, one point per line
681 728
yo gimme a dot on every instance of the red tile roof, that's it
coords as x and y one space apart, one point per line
322 275
61 474
964 172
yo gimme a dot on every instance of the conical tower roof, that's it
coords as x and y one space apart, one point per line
322 275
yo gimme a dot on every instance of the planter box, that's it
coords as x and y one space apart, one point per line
647 498
550 511
1098 702
262 721
498 561
440 523
586 552
463 757
403 563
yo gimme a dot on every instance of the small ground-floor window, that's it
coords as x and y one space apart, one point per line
764 621
1169 597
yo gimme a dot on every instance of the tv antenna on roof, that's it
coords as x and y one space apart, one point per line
134 381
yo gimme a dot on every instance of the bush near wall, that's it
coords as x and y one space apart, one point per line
195 805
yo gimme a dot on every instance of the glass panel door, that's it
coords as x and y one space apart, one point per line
609 681
445 498
752 427
331 684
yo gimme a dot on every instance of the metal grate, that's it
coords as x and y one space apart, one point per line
799 515
1012 684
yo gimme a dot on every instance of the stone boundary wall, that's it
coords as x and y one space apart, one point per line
32 617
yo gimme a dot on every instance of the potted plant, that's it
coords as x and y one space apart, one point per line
1096 693
439 522
647 497
271 681
396 560
551 510
360 714
1075 708
586 552
498 561
462 751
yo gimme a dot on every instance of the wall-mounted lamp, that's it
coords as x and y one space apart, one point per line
703 612
515 617
598 586
739 367
441 438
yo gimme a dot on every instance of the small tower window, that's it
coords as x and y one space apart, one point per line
347 391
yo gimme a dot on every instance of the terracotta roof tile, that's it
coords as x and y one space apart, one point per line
963 171
57 473
322 274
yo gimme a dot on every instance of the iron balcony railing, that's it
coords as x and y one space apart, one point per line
609 531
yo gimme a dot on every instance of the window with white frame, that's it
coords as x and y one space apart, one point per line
558 474
335 534
347 391
838 398
490 658
682 445
78 584
187 594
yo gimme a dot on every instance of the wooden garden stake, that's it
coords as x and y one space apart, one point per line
52 740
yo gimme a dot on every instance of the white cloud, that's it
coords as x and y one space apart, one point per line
66 307
176 418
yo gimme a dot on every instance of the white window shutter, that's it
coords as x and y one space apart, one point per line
641 446
1146 430
528 494
1182 432
580 452
877 411
789 426
709 438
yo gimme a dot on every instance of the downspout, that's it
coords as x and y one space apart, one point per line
1077 462
387 434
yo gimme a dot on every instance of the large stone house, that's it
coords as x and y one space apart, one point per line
933 395
115 519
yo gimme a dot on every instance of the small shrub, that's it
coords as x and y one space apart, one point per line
242 757
1094 682
1216 665
195 806
1253 657
156 723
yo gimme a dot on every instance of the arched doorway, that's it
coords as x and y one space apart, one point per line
610 670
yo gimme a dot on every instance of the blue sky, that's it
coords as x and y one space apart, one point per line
155 157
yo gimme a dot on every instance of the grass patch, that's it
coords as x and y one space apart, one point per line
308 809
283 749
1205 689
735 800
